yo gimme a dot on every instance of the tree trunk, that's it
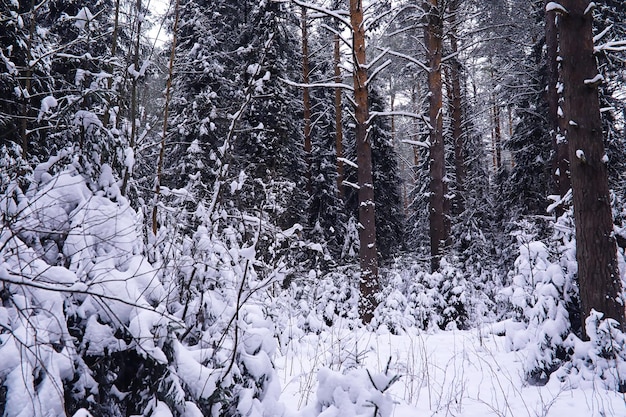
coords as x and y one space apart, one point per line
433 39
338 118
306 97
367 224
497 138
133 96
598 274
560 165
168 88
457 112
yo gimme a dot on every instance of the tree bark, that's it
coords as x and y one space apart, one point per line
433 35
560 165
457 112
306 97
497 129
598 275
367 225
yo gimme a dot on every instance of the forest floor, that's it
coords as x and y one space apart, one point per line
445 373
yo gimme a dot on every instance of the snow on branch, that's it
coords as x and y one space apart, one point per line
337 14
375 114
595 81
378 58
338 33
377 71
590 7
351 184
317 85
556 7
601 34
410 59
417 143
348 162
613 46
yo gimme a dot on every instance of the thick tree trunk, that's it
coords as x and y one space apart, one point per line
560 164
306 97
367 224
598 274
457 112
433 39
338 118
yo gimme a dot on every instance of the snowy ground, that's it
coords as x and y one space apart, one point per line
451 373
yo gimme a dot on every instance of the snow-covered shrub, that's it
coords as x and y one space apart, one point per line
90 324
392 310
412 297
544 296
358 393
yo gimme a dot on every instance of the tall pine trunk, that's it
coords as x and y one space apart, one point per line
367 224
457 111
433 35
598 274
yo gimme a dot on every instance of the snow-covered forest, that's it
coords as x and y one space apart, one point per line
303 208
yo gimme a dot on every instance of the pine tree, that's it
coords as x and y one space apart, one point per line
387 183
433 38
598 273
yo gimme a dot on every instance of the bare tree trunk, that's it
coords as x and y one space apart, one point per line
433 35
497 122
133 95
598 274
168 88
338 118
560 164
367 224
457 112
306 97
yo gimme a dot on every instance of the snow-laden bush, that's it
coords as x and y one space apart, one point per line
357 393
544 294
412 297
602 358
87 324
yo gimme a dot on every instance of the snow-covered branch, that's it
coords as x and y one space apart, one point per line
339 15
317 85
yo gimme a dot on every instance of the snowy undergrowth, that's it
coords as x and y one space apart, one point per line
89 325
546 321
